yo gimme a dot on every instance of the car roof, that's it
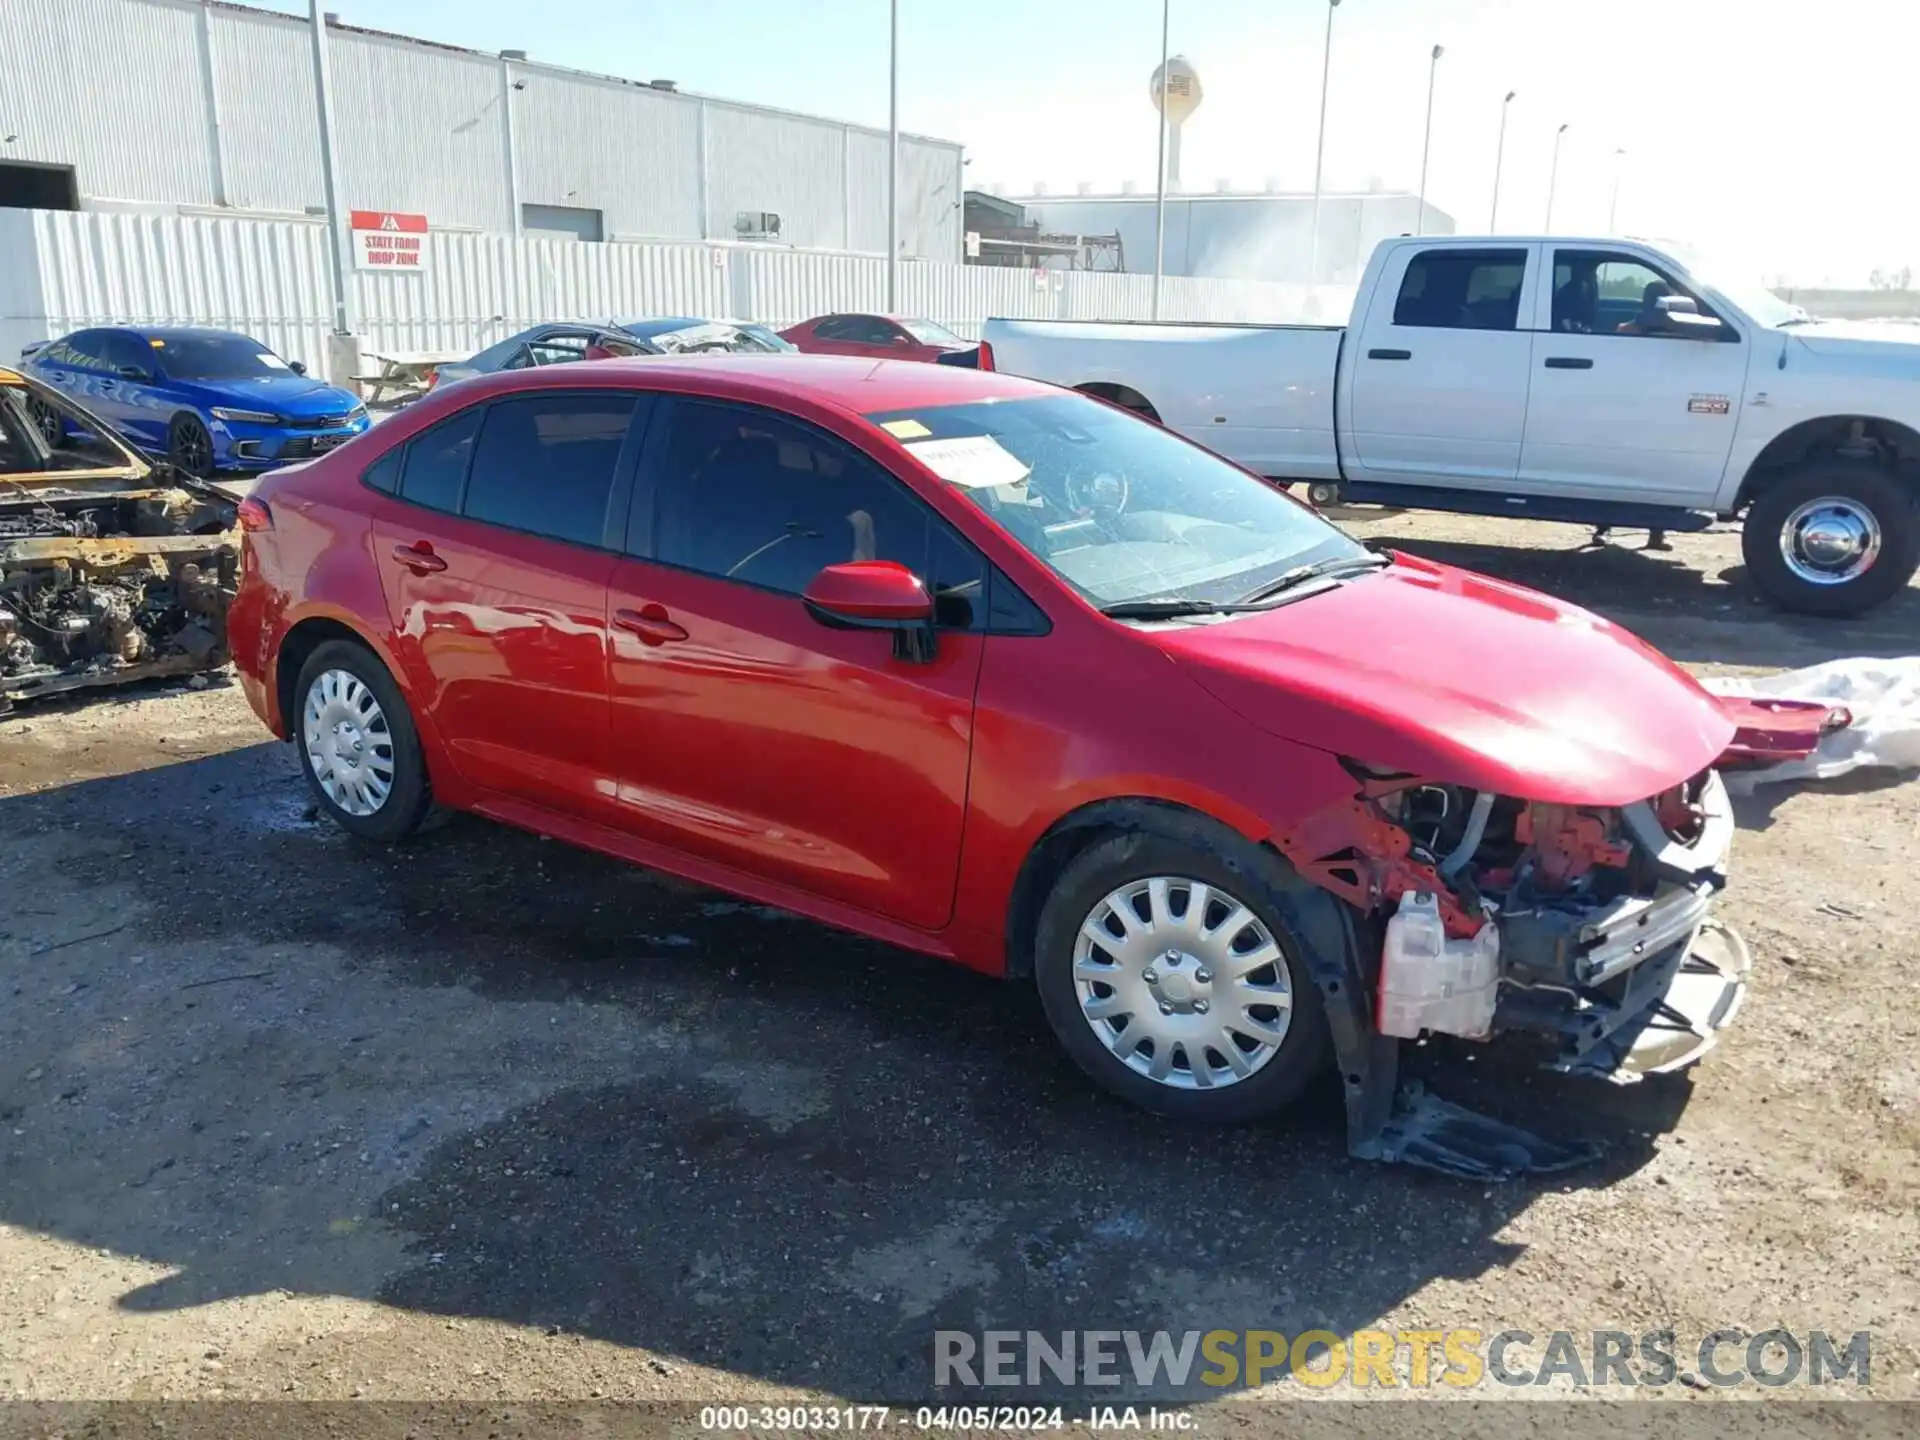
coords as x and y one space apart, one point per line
177 332
848 383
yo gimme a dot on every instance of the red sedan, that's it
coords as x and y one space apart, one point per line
1000 673
880 337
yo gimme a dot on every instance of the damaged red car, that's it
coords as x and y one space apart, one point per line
999 673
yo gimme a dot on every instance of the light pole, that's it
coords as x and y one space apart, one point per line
1499 151
1426 142
1613 205
893 158
1160 166
1319 153
1553 174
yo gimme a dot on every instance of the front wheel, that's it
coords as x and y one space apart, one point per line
358 748
1832 538
189 446
1175 980
1323 493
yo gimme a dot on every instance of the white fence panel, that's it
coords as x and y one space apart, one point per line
269 278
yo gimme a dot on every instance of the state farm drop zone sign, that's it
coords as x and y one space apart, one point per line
387 240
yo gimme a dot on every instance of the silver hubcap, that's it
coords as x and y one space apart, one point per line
348 743
1830 541
1182 982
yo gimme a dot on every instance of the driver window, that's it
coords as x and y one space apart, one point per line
1599 293
744 494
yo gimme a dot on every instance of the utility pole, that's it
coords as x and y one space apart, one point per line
893 159
1319 155
1499 153
1160 166
1426 142
1553 175
1613 205
336 230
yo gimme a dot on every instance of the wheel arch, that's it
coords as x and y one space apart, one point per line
1079 830
1867 439
1125 397
304 637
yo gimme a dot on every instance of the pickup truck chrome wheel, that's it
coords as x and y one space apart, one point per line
348 742
1182 983
1830 540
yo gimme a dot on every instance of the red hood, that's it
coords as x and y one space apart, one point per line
1446 674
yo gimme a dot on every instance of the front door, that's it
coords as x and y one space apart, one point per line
1620 409
495 556
1440 373
746 732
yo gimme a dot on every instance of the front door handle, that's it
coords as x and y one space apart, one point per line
1569 362
650 623
1389 354
419 558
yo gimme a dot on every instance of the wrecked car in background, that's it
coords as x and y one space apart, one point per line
111 568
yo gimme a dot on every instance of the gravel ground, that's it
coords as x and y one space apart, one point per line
284 1116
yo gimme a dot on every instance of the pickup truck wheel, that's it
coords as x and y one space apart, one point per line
1832 538
358 748
1173 976
1323 493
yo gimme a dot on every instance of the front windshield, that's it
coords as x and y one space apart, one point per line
928 333
1119 508
1761 305
216 357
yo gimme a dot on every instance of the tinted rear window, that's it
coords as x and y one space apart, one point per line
436 466
545 464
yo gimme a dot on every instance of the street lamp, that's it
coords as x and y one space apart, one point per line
1426 143
893 158
1553 174
1319 153
1613 205
1499 151
1160 166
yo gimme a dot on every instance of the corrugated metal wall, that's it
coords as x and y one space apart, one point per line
269 278
176 102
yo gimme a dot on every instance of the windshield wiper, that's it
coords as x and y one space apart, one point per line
1301 574
1170 609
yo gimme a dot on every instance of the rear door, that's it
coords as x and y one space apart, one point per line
747 733
1619 410
495 550
1440 374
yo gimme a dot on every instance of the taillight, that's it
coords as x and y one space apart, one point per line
986 356
254 515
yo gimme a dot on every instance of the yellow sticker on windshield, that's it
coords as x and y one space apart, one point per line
157 343
906 429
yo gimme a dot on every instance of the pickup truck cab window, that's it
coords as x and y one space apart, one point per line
1452 289
1119 508
1600 292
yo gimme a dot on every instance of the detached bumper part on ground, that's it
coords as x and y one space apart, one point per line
1596 924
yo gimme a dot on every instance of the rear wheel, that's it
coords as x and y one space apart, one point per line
358 748
189 446
1323 493
1832 538
1175 976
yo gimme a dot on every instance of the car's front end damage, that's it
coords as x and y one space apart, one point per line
1586 932
110 570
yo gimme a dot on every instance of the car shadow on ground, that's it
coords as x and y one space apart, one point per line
485 1075
1677 606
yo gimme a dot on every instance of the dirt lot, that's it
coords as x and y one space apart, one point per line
282 1116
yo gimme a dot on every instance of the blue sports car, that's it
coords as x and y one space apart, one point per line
206 400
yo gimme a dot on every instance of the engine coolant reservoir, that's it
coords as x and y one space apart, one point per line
1429 982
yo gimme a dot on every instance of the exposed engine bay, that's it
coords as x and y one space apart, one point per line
110 569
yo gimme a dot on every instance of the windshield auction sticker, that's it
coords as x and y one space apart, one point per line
974 462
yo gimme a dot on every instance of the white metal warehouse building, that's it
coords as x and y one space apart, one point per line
198 106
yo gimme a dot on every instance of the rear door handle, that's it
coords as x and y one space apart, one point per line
650 623
1569 362
419 558
1389 354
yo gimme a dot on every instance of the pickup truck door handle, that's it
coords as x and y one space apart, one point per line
1389 354
1569 362
419 558
650 623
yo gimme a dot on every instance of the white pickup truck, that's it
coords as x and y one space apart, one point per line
1593 381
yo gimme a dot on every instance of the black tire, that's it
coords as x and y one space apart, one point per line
1892 506
189 446
409 801
1286 905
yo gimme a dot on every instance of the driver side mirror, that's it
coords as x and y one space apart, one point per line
875 595
1680 316
299 367
134 372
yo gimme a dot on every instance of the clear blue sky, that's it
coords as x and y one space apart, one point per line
1775 134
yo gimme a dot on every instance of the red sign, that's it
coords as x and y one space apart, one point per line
389 240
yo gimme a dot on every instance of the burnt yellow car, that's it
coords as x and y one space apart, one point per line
112 568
